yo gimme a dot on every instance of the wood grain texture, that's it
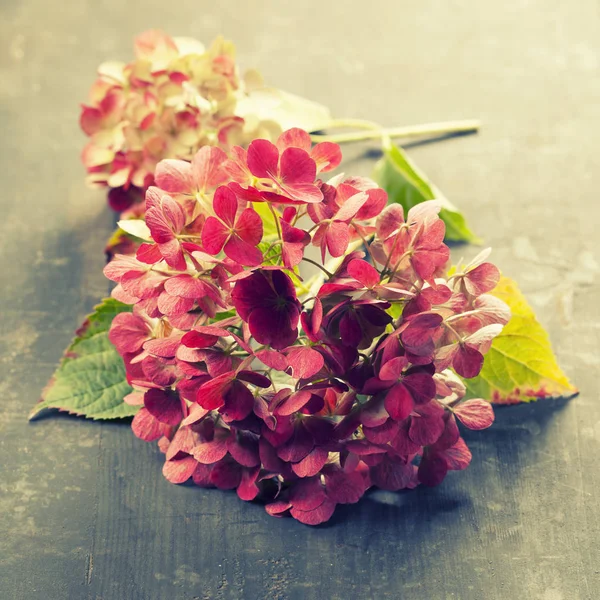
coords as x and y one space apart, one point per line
85 513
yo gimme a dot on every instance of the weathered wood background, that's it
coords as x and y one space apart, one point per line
84 510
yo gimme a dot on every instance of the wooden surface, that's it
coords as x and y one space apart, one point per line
84 510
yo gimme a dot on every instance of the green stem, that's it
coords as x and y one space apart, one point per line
374 131
312 262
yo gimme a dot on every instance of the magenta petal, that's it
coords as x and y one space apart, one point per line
249 227
214 235
242 253
257 379
164 406
293 403
307 494
201 475
297 447
225 204
427 425
239 402
362 271
243 447
432 470
392 369
398 402
421 387
226 475
305 361
345 488
263 158
179 471
296 166
475 414
145 426
278 508
319 515
467 361
311 464
392 475
382 434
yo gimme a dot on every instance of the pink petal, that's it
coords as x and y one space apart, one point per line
475 414
163 347
208 453
297 447
207 168
128 332
482 279
338 238
327 156
174 176
179 471
351 206
392 369
458 457
295 137
239 402
145 426
273 359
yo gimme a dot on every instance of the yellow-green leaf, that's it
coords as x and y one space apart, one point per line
520 366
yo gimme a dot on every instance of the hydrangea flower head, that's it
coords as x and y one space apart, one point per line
301 391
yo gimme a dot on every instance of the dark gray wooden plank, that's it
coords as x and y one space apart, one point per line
84 510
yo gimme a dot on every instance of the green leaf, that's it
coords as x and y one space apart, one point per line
520 365
90 380
408 186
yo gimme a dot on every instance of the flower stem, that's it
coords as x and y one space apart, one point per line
312 262
374 131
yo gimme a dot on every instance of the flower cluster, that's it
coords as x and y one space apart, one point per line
302 390
174 98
